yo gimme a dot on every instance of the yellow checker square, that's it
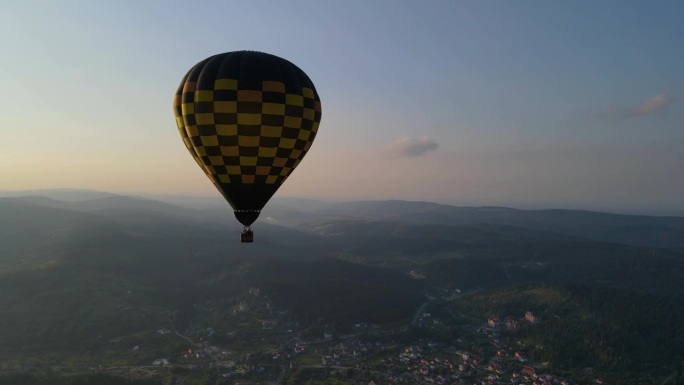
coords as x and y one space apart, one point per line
317 106
248 141
223 107
279 162
248 161
230 151
233 170
216 160
204 119
287 143
273 86
273 109
267 152
248 96
295 154
226 84
292 122
263 170
224 178
249 119
304 135
309 114
286 171
247 178
191 131
314 128
200 151
180 124
204 96
307 146
296 163
226 129
294 100
271 179
210 140
187 143
209 169
307 92
271 131
188 108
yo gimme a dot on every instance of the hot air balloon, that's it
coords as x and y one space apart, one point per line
248 118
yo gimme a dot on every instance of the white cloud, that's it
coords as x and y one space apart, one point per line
411 147
655 104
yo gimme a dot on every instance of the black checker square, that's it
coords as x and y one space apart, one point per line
225 95
262 161
248 170
213 150
299 144
232 160
249 107
248 130
204 107
227 140
290 133
294 111
273 97
266 141
307 124
220 118
249 151
272 120
206 130
188 97
283 153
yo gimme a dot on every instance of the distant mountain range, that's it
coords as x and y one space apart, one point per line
69 258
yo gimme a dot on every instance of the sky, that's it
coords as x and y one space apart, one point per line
528 104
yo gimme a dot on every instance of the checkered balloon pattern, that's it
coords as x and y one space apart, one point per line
248 118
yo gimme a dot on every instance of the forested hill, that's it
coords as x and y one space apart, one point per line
97 275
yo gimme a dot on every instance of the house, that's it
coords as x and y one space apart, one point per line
160 362
528 371
511 324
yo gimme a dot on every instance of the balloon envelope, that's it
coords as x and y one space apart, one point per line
248 118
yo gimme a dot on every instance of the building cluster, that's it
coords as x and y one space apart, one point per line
424 365
350 352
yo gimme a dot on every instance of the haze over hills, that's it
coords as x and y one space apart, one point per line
71 264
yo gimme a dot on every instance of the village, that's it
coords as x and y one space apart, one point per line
369 354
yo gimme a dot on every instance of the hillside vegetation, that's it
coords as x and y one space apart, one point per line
87 281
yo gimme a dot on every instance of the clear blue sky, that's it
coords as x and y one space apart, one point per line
519 103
